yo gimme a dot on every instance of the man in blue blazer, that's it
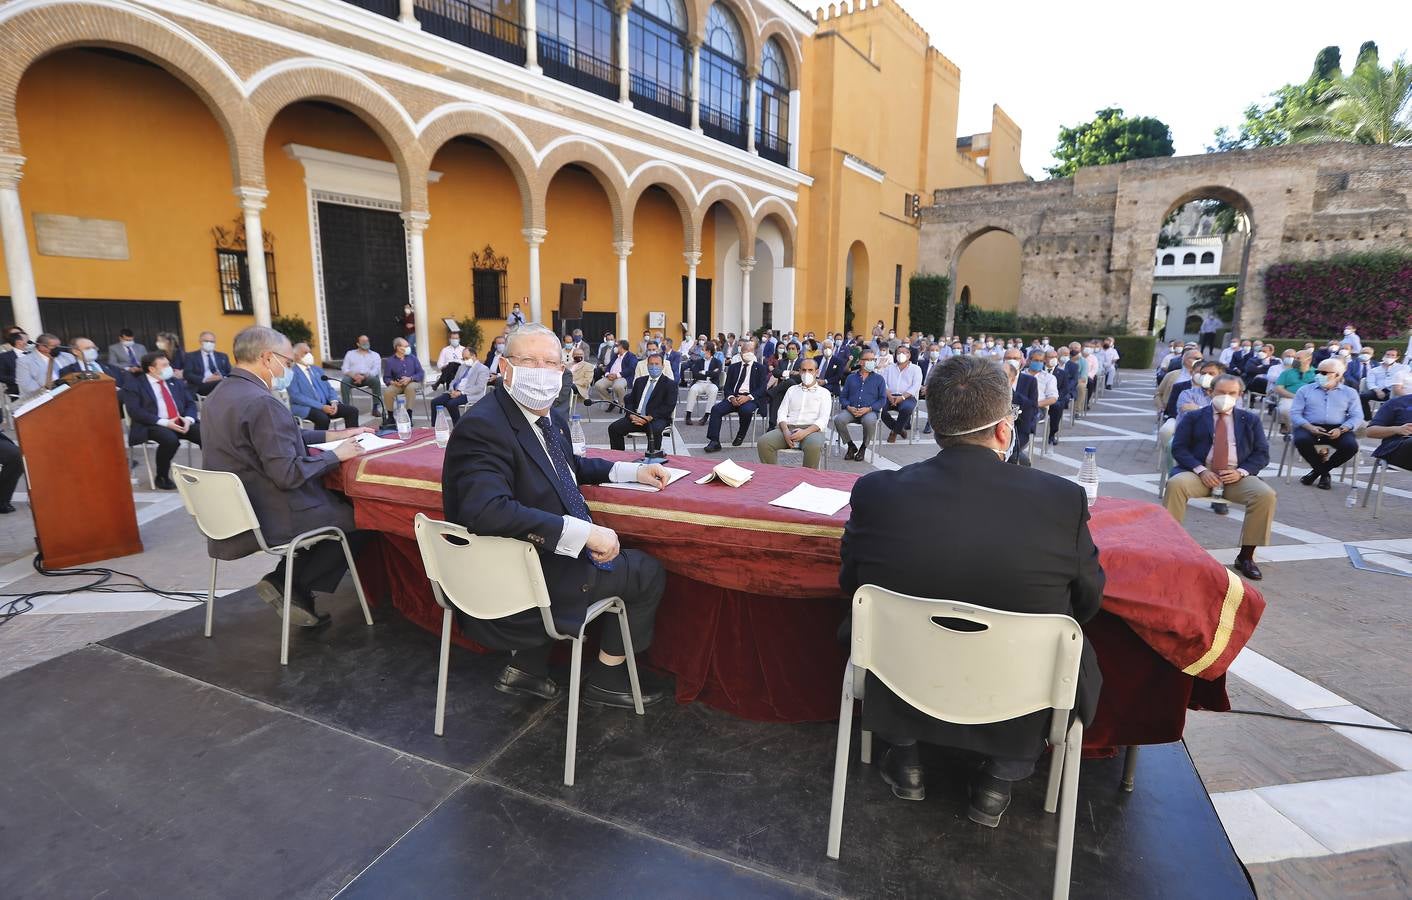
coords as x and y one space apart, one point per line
833 368
744 390
511 471
1024 389
160 409
1222 446
204 367
653 401
1063 380
313 398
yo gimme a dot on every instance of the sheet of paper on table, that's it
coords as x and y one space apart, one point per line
808 498
646 488
728 472
369 443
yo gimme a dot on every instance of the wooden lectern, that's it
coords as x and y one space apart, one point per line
80 486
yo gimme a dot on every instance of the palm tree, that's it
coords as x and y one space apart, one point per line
1370 105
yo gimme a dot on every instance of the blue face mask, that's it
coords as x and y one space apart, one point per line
1036 365
654 371
282 381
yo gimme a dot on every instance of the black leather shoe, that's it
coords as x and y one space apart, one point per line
513 681
1248 568
594 695
712 447
739 439
301 609
1326 483
990 797
907 780
852 453
7 508
688 418
163 484
1309 479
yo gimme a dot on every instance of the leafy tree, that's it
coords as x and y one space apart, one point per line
1110 138
1369 50
1328 64
1370 105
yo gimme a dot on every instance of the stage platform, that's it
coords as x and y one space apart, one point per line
163 764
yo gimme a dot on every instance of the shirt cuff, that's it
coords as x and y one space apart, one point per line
624 472
1199 469
573 537
1243 473
163 423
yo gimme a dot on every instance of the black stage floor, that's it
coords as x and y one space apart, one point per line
161 764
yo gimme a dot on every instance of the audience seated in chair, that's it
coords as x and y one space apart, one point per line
863 397
362 368
803 420
745 395
653 401
160 409
313 398
468 385
401 373
703 391
617 375
204 367
1380 381
1392 425
1325 413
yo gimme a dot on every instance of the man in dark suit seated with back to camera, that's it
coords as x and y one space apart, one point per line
1045 564
510 471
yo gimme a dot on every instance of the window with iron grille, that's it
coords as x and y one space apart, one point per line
658 59
723 78
233 270
488 284
772 131
577 44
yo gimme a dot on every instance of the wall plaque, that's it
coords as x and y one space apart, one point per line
80 237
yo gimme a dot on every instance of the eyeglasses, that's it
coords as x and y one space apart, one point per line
534 362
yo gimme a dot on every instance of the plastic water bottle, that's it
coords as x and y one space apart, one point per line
1352 500
577 437
443 427
1088 475
404 421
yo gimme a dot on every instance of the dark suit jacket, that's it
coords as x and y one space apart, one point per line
1071 368
142 409
1049 565
119 375
1238 360
834 370
1254 367
1064 384
1170 411
1354 373
1196 431
193 369
497 480
249 432
663 402
629 365
758 379
1026 396
786 374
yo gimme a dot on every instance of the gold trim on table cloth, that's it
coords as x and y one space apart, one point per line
1235 593
673 515
362 477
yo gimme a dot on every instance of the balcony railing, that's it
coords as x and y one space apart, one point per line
723 126
570 65
471 26
658 100
389 8
774 147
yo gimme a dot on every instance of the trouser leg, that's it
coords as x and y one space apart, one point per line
620 389
618 432
1401 456
770 446
454 406
713 423
1056 416
746 411
814 447
640 580
904 415
1258 498
870 428
1011 768
167 442
1306 444
320 567
654 434
1345 448
318 418
348 413
11 467
1182 487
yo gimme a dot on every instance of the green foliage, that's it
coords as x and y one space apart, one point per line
471 334
1370 105
847 309
927 303
1110 138
294 328
974 320
1328 64
1366 51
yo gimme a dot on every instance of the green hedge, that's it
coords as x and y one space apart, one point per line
926 309
1134 351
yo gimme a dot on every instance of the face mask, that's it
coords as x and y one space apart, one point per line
455 342
1088 351
1345 354
126 342
828 351
1332 379
363 345
208 346
1233 346
1333 349
1262 356
747 358
1348 331
161 345
307 359
1036 365
1051 363
166 374
885 358
499 348
870 365
792 354
989 344
1389 360
400 351
1288 360
807 379
90 355
654 371
1223 403
1203 381
1365 356
934 355
535 388
1014 364
901 358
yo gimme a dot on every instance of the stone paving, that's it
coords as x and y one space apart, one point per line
1313 810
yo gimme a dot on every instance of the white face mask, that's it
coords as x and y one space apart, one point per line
747 358
90 354
307 359
455 342
208 346
1204 381
535 388
1389 360
1223 403
807 379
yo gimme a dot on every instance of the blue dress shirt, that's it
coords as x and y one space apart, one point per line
1315 406
858 391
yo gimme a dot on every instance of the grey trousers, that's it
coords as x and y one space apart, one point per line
844 418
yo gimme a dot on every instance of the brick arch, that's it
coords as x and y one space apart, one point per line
775 208
670 179
744 16
501 135
296 80
33 34
601 164
737 204
794 57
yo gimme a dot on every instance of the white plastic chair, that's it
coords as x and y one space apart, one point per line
221 508
494 577
1015 664
1376 476
147 447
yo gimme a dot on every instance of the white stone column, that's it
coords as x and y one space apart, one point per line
623 249
407 14
416 224
747 265
693 259
794 129
531 37
534 237
252 200
24 301
695 84
752 103
624 60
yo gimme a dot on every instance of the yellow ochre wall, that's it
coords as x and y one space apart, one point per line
150 154
990 266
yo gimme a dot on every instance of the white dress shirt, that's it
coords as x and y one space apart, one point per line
576 530
1048 386
155 386
900 380
1382 378
447 356
362 362
805 406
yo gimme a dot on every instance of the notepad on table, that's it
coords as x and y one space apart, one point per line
808 498
369 443
728 472
647 488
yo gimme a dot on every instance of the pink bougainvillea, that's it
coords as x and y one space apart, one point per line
1315 299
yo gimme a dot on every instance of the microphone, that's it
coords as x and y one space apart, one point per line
324 376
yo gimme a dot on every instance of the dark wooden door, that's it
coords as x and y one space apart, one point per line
364 258
101 320
703 306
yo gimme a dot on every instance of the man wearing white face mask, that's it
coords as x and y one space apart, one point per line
511 471
1197 395
803 418
313 398
1326 412
1224 446
160 410
204 367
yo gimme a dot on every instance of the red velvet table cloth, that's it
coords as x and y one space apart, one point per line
749 620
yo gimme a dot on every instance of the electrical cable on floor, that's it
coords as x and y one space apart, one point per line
103 584
1289 718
